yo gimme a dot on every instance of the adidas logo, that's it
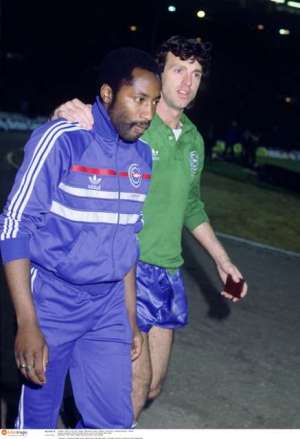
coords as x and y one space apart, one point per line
95 183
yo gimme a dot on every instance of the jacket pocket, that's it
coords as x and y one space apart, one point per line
73 260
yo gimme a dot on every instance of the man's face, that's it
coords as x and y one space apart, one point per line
134 105
180 81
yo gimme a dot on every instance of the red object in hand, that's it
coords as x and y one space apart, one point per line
234 288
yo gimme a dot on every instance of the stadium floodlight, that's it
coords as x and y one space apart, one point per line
284 31
281 2
172 8
201 14
293 4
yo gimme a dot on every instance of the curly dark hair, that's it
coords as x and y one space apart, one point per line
117 66
184 48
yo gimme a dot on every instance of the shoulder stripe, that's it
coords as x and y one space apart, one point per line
20 199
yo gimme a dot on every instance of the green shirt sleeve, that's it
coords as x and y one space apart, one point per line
195 212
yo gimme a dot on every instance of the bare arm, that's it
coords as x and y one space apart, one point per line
130 297
75 111
30 346
206 237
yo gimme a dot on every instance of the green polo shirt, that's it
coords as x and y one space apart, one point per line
174 197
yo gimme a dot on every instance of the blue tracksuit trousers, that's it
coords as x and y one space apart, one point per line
88 333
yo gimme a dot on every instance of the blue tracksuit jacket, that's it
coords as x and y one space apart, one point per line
76 204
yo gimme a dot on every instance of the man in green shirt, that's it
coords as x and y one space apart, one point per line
172 203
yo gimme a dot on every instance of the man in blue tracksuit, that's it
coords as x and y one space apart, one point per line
69 246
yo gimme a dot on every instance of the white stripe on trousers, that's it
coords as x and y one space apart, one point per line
20 418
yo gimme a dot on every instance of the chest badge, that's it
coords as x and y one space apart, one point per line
155 154
135 175
194 162
95 183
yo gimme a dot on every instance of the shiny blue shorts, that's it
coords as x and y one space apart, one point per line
161 298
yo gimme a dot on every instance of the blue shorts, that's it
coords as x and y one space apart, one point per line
88 333
161 298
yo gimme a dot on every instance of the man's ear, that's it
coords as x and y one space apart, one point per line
106 94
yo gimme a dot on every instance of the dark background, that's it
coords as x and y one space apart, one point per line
49 50
48 53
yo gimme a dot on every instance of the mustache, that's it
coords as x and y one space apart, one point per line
143 125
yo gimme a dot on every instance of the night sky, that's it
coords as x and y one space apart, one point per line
49 51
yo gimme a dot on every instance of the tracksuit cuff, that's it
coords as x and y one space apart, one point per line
14 249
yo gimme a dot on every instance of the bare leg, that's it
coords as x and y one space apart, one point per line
141 374
150 369
160 344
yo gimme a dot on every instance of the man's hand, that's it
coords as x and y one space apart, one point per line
225 268
137 344
75 111
205 235
31 353
130 298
